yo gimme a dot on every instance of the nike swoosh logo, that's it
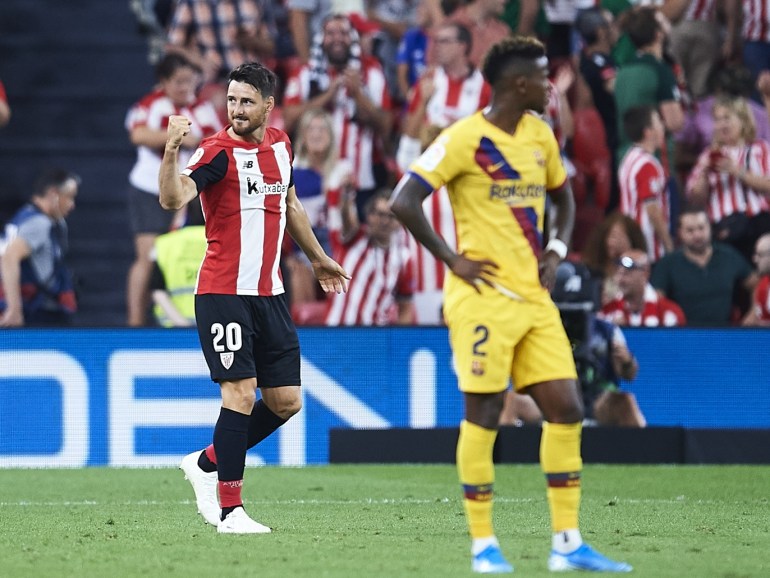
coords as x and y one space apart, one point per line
495 167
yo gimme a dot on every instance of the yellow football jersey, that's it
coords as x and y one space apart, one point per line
497 184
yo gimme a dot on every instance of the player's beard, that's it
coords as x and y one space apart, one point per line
249 127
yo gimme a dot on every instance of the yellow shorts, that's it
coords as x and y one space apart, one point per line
495 338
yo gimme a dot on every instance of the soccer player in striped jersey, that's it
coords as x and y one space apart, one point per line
643 189
243 175
498 165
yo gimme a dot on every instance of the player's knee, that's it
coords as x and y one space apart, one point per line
289 407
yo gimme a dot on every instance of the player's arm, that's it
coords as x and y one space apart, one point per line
655 214
330 275
175 190
10 267
406 204
564 206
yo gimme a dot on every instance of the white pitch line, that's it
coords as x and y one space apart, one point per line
367 501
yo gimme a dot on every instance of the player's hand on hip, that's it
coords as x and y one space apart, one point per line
331 275
548 264
474 272
178 128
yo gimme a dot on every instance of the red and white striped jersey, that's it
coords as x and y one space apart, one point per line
756 20
642 181
727 194
762 299
356 141
243 188
453 98
705 10
153 111
429 271
657 311
379 275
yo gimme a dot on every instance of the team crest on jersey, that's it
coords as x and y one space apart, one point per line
539 159
227 359
195 158
477 367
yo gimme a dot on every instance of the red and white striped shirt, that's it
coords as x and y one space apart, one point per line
704 10
642 181
243 188
429 271
756 20
379 275
153 111
727 194
657 311
453 98
762 299
356 141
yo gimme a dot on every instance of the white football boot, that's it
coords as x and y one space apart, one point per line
204 485
238 522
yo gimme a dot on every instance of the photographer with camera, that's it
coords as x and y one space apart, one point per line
601 354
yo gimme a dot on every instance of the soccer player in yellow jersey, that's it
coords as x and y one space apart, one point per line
498 165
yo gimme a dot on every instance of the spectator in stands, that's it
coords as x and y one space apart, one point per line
146 124
482 18
732 177
643 191
702 276
602 357
637 304
615 235
452 90
751 33
218 36
727 81
597 67
394 18
352 88
647 79
5 110
381 286
306 18
319 176
697 41
177 257
37 288
413 47
759 313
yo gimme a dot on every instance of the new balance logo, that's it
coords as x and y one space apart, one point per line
248 164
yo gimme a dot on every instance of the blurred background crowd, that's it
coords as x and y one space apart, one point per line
660 108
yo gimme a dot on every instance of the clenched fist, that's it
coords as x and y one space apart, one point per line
178 128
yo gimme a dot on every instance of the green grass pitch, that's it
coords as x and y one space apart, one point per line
371 521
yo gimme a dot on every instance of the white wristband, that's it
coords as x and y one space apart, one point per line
557 246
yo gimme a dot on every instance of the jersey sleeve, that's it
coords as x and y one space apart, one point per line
667 87
443 160
207 165
648 183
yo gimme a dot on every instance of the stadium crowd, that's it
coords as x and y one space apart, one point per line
660 109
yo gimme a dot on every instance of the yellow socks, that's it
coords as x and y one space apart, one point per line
477 476
561 463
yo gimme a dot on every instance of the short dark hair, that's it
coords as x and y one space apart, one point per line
257 75
635 120
509 52
691 210
642 26
383 193
589 22
464 36
55 177
172 62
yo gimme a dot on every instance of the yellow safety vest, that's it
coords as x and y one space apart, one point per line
179 255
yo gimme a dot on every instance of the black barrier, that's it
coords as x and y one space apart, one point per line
601 445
